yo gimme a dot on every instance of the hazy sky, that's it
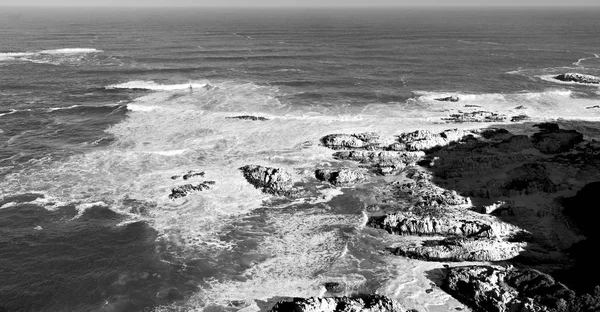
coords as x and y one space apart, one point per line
302 3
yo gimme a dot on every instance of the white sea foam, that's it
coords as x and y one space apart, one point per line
151 85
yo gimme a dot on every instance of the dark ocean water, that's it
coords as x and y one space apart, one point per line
96 113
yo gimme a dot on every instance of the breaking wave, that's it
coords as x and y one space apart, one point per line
151 85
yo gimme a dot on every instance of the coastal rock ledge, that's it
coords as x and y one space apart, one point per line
370 303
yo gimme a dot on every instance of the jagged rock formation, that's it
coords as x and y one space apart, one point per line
462 249
270 180
497 289
452 98
442 221
186 189
551 139
248 117
580 78
340 177
370 303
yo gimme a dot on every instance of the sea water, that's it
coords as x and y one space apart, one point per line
99 108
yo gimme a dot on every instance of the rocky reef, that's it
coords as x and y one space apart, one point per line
579 78
370 303
270 180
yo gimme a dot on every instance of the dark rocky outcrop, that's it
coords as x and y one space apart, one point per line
452 98
270 180
580 78
593 106
370 303
530 178
498 289
339 177
478 116
551 139
186 189
248 117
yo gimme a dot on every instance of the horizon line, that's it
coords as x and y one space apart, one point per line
427 6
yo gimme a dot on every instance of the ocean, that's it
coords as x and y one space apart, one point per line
100 108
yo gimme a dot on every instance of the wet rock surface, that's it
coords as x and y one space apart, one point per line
275 181
370 303
580 78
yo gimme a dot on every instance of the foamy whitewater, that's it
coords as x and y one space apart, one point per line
101 110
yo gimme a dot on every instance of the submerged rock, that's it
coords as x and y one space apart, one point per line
339 177
270 180
369 303
580 78
248 117
186 189
452 98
